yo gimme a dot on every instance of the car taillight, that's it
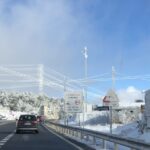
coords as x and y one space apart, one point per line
34 122
20 122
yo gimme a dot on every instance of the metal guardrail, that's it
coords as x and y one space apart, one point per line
117 140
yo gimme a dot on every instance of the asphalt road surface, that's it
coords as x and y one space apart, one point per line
45 140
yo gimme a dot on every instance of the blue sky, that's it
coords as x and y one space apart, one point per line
54 32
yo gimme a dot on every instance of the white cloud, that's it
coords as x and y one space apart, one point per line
128 96
42 29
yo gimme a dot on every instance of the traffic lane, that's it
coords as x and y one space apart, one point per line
45 140
7 129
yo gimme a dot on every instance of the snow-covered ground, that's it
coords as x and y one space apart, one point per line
125 130
103 128
6 114
95 121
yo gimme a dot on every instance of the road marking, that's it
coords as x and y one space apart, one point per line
6 139
62 138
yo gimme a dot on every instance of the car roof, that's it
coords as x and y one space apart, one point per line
27 115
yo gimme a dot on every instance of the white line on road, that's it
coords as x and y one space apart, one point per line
62 138
6 139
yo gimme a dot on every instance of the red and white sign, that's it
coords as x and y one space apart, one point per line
106 101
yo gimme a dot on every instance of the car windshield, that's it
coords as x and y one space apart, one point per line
27 118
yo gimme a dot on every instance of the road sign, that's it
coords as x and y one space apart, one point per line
102 108
73 102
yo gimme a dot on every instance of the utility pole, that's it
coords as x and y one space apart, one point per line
85 58
113 88
113 77
85 54
65 112
110 119
41 82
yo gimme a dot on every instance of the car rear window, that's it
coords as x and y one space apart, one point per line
27 118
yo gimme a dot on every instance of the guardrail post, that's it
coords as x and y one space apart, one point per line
59 129
81 135
77 134
67 131
103 144
87 137
70 132
94 140
115 146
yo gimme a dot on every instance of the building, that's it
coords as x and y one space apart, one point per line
51 111
147 109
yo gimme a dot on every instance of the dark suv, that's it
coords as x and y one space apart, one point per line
27 123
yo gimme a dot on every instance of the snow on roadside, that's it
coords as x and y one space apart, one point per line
145 137
6 114
93 122
128 130
102 128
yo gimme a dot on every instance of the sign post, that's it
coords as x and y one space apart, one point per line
110 109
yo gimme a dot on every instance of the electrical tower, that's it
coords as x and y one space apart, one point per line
41 77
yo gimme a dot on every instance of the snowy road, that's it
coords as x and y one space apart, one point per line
45 140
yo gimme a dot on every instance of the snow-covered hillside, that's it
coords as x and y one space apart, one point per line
12 104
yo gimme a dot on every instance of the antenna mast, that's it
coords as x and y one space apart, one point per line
113 77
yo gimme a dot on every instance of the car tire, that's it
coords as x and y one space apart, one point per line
17 131
36 131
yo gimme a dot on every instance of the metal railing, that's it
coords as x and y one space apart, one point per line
79 133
